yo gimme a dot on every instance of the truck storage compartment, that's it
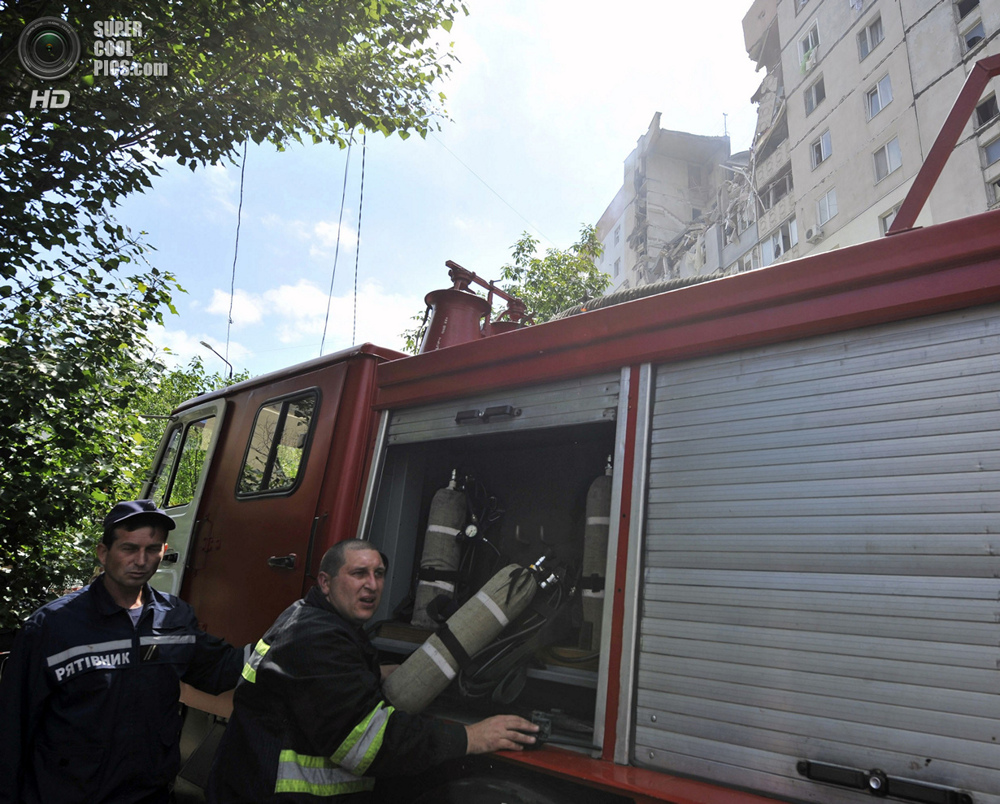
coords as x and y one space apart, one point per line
520 477
819 615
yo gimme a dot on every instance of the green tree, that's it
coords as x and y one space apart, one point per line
263 69
547 284
66 461
76 295
557 280
69 369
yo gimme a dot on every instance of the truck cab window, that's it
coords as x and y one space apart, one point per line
278 445
176 478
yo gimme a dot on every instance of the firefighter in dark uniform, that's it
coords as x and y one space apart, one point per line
89 697
309 720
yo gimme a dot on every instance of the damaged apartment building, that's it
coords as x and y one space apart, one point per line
853 95
683 210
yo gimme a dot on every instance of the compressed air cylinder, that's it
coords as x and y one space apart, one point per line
429 670
595 552
441 552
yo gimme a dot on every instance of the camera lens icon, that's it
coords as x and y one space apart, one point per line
48 48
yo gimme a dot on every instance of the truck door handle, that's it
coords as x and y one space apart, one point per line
282 562
171 557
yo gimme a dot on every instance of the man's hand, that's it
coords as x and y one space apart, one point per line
387 670
498 733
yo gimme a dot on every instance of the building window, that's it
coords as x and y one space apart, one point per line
870 37
815 95
618 235
992 151
878 97
887 159
807 48
784 238
694 177
826 207
965 7
618 267
748 262
973 36
885 220
821 149
995 188
777 189
987 111
799 5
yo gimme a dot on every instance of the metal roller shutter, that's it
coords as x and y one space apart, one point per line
822 579
579 401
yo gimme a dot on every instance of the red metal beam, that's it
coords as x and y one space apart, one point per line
621 572
982 71
643 785
919 272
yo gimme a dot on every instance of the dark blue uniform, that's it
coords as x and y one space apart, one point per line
89 702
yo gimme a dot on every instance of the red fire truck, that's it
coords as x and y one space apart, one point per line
797 595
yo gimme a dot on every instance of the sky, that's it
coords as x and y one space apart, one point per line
548 99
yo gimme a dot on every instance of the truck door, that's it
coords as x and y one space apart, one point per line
178 481
258 523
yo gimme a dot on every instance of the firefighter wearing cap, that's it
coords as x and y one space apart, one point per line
310 722
89 697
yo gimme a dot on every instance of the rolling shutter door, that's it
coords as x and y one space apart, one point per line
822 579
578 401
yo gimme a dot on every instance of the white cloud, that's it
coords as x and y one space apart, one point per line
247 309
223 185
177 348
326 233
297 314
320 236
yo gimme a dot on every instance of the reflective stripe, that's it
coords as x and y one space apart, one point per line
363 743
492 607
439 660
185 639
591 593
598 520
448 587
82 650
250 668
442 529
317 776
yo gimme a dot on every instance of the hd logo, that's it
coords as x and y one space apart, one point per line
49 49
49 99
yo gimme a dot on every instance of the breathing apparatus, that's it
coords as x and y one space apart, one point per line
458 643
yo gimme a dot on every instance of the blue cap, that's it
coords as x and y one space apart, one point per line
126 510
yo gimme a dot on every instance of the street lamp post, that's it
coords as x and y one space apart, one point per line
209 347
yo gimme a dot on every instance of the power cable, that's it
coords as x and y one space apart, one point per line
487 186
236 249
357 250
336 253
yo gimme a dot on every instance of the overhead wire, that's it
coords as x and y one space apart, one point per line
357 250
488 187
236 249
336 253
